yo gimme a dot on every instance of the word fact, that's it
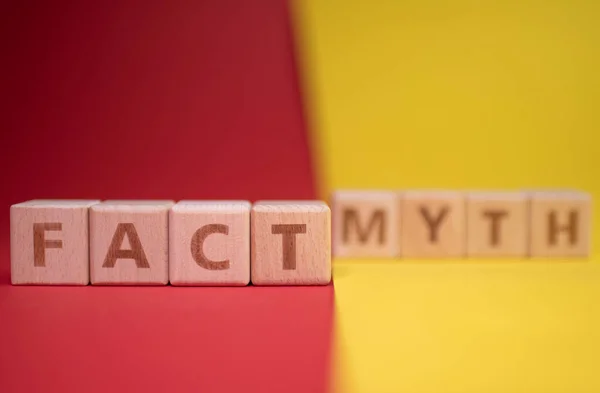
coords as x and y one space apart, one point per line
193 243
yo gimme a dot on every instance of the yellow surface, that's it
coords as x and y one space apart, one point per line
491 328
459 94
455 94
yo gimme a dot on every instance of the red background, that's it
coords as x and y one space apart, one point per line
145 99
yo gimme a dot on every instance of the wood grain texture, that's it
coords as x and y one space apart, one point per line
129 242
434 224
49 242
365 224
497 224
290 243
209 243
560 224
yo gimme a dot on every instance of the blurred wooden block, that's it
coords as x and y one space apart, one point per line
433 224
129 242
209 243
497 224
291 243
49 242
365 224
560 224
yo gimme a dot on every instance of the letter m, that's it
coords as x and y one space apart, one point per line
376 223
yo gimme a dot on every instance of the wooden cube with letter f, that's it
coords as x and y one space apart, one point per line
49 242
291 243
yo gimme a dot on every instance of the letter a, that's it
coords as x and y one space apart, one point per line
136 252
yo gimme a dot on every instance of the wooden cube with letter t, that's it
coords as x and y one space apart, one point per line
366 224
290 243
49 242
497 224
129 242
560 224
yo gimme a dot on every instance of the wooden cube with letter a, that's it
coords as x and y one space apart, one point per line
366 224
433 224
49 242
129 242
497 224
560 224
209 243
290 243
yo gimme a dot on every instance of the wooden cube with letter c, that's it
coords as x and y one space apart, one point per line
49 242
129 242
209 243
290 243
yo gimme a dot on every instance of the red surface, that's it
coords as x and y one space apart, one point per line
138 99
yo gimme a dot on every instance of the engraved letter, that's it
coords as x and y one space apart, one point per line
115 252
433 223
40 243
554 229
288 238
495 216
197 247
378 219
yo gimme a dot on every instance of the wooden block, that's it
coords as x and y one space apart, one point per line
560 224
433 224
291 243
129 242
209 243
365 224
497 224
49 242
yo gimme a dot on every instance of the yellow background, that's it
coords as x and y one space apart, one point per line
458 94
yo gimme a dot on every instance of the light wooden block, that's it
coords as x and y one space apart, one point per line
497 224
291 243
129 242
433 224
560 224
209 243
49 242
365 224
